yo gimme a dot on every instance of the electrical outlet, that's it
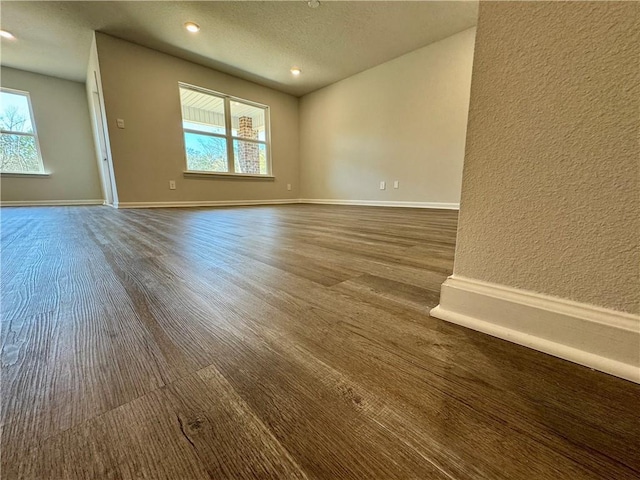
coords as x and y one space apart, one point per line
288 186
396 184
172 185
120 123
383 185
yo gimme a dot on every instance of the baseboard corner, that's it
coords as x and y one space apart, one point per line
602 339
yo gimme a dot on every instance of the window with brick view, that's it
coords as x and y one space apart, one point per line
224 134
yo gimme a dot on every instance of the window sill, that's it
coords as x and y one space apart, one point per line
23 174
247 176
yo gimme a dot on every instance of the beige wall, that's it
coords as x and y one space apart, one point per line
62 122
403 120
550 196
140 85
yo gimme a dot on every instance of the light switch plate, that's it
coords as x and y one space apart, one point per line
120 123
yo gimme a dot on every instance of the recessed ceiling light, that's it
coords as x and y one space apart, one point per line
313 3
296 71
5 34
192 27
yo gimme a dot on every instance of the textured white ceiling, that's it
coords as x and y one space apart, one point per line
258 41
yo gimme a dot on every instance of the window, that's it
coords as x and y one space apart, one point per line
19 149
223 134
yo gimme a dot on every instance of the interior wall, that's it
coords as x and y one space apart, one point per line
66 143
404 120
551 188
140 86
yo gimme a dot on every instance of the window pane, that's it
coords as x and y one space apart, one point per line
201 127
250 157
205 153
18 153
202 111
14 113
248 121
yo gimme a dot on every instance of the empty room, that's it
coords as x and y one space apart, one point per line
318 239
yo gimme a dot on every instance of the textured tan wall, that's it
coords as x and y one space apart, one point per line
550 196
403 120
66 143
140 85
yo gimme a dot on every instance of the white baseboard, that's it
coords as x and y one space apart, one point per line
213 203
45 203
599 338
229 203
379 203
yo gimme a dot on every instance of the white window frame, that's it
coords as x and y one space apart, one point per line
34 134
228 135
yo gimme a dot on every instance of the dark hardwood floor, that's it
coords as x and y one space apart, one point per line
288 342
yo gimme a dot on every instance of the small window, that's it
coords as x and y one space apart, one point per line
224 134
19 148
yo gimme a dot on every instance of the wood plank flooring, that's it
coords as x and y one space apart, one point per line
287 342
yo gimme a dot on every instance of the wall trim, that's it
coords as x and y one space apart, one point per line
381 203
205 203
25 174
230 203
49 203
599 338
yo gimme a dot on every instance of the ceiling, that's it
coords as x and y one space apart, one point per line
257 41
